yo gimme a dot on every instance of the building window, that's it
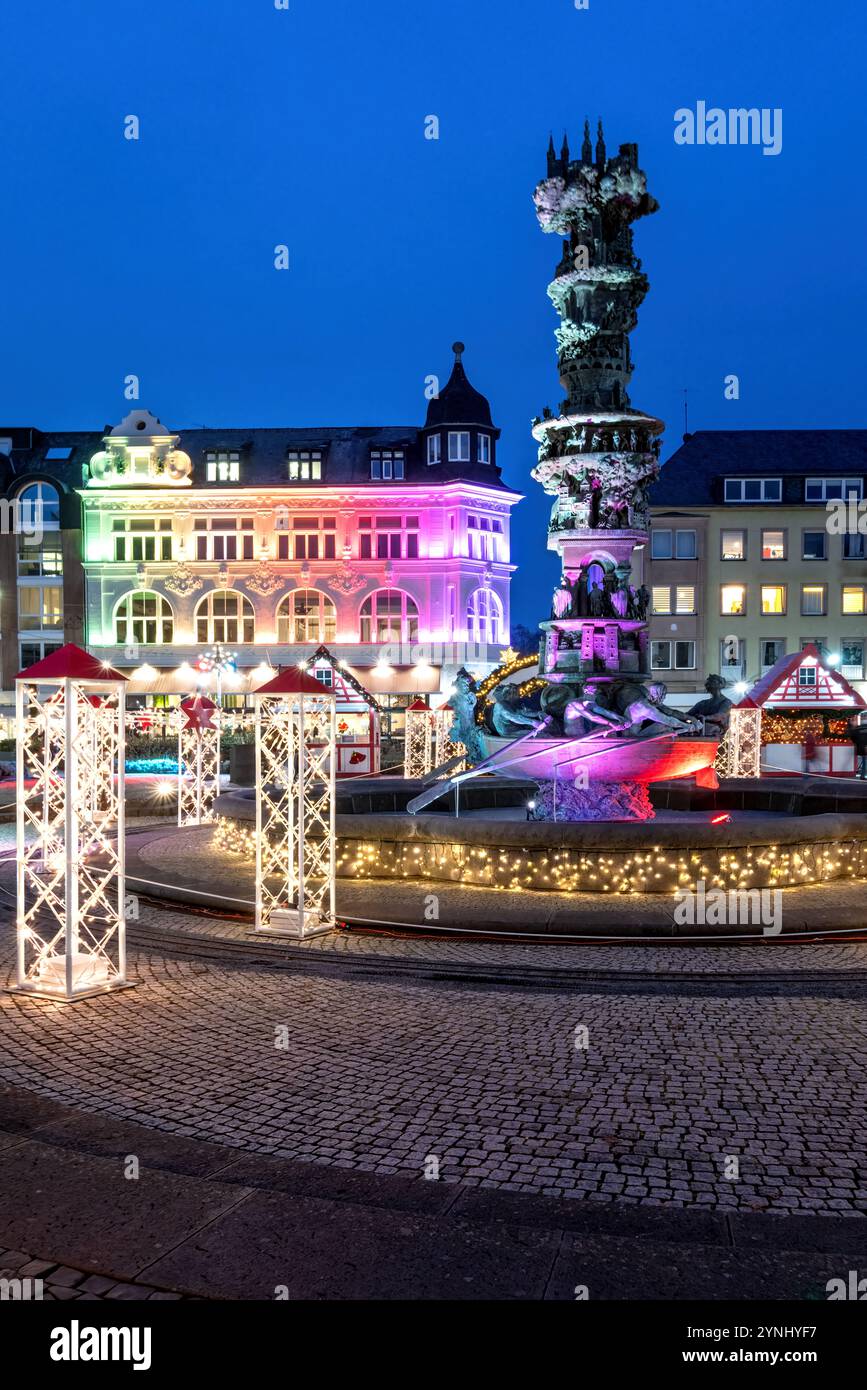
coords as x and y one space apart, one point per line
484 448
459 446
853 546
306 615
222 538
143 618
37 558
660 598
484 537
386 465
388 537
40 607
484 617
30 652
853 598
733 545
753 489
813 545
40 505
389 615
434 448
852 665
733 599
305 465
813 600
731 657
660 545
770 651
225 616
222 466
773 545
773 598
831 489
807 675
141 538
684 598
682 654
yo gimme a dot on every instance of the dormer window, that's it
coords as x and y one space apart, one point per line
222 466
434 448
305 465
753 489
386 465
484 448
459 446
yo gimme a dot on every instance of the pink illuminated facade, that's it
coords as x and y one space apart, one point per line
388 544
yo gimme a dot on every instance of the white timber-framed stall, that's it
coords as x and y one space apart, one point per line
418 739
295 798
198 760
70 737
357 725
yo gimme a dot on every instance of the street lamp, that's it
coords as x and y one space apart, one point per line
219 660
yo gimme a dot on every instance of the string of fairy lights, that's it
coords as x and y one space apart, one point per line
657 870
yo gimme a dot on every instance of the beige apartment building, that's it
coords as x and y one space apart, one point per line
745 563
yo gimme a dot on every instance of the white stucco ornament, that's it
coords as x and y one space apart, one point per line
178 465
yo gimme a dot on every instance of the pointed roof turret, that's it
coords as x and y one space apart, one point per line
600 147
564 150
458 403
587 148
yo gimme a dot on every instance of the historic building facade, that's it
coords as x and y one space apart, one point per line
747 562
389 544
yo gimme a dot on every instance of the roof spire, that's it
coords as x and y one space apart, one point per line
587 148
564 150
600 147
458 349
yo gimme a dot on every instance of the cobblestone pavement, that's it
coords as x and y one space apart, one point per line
49 1282
763 956
490 1085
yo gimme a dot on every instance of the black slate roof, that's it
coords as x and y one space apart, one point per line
264 455
694 474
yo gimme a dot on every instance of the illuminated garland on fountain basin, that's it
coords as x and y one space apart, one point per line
563 870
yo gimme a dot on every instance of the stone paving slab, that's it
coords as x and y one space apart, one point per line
318 1249
97 1219
626 1269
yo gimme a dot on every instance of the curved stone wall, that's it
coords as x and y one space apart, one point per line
589 857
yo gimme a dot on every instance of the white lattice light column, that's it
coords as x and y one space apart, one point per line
740 752
70 826
198 760
418 740
296 755
445 748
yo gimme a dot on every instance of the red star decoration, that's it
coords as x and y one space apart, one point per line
199 712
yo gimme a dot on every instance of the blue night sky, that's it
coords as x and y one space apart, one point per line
305 127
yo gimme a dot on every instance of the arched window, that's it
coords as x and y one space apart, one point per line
484 616
41 502
144 618
306 615
225 616
389 615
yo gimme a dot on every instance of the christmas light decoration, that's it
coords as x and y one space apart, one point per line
418 740
296 754
70 826
739 753
658 869
445 747
198 760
